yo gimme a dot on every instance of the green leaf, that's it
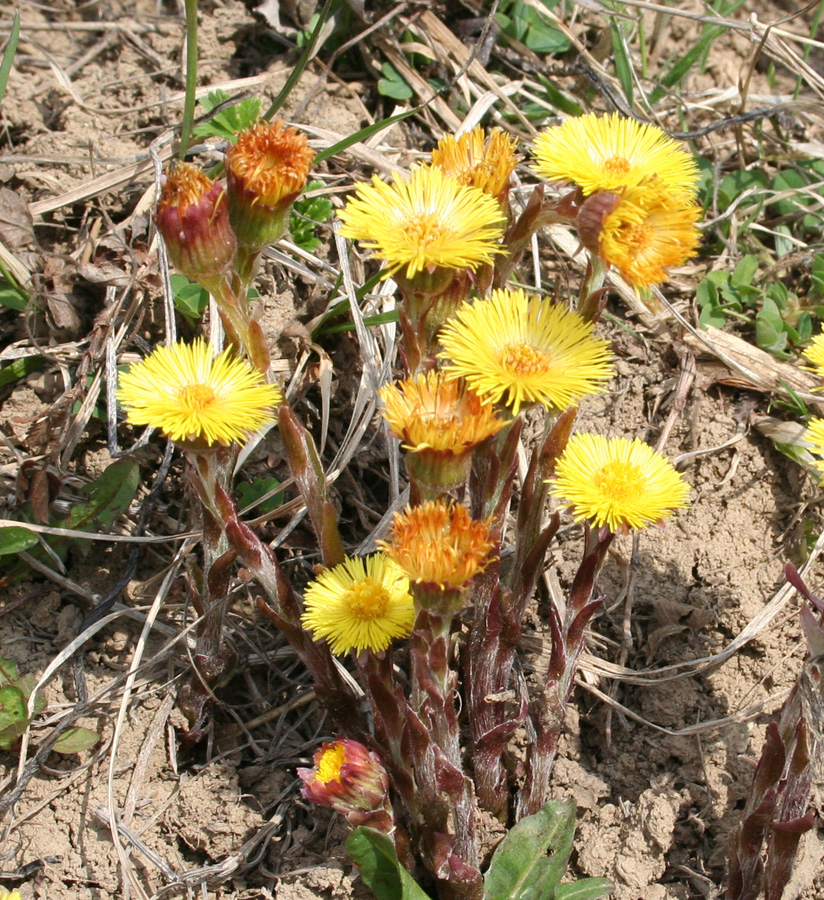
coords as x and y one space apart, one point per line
307 214
374 855
769 329
230 120
584 889
190 299
817 277
16 539
13 715
9 672
623 67
744 272
109 496
530 861
250 493
558 98
393 84
8 53
76 740
18 369
12 298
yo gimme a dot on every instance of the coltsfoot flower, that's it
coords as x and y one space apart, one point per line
521 349
648 230
485 164
193 217
351 780
427 222
9 895
815 354
616 482
612 152
191 395
815 435
265 170
440 423
439 544
362 604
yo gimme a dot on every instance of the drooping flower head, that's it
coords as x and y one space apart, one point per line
440 423
521 349
362 604
642 231
616 482
815 354
191 395
350 779
612 152
266 169
192 215
485 164
426 222
441 548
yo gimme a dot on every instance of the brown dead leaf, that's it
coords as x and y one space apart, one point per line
16 228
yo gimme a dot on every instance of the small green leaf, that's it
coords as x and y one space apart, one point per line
190 299
109 496
230 120
14 539
307 214
11 297
250 493
76 740
18 369
623 67
393 84
374 855
9 672
13 715
529 862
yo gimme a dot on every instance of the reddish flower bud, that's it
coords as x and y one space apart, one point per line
192 215
349 779
266 170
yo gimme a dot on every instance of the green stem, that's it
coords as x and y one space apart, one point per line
191 77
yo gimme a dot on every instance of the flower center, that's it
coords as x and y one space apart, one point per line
620 481
196 397
424 229
331 761
639 237
367 600
523 359
617 165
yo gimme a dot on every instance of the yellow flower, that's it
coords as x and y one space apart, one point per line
649 230
361 604
522 349
9 895
616 482
438 543
265 171
487 166
190 395
815 354
429 221
428 412
815 435
611 152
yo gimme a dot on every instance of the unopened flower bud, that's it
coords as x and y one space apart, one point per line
351 780
192 215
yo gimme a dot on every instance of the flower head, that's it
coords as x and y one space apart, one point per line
616 482
9 895
647 230
487 165
815 436
527 350
438 544
362 604
190 395
427 222
265 171
815 354
611 152
193 218
350 779
440 423
428 412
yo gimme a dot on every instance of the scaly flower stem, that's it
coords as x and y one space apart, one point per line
191 77
568 643
592 298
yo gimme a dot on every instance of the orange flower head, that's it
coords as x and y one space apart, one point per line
440 423
648 231
266 170
487 165
437 544
192 216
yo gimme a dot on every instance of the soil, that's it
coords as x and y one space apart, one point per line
659 780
